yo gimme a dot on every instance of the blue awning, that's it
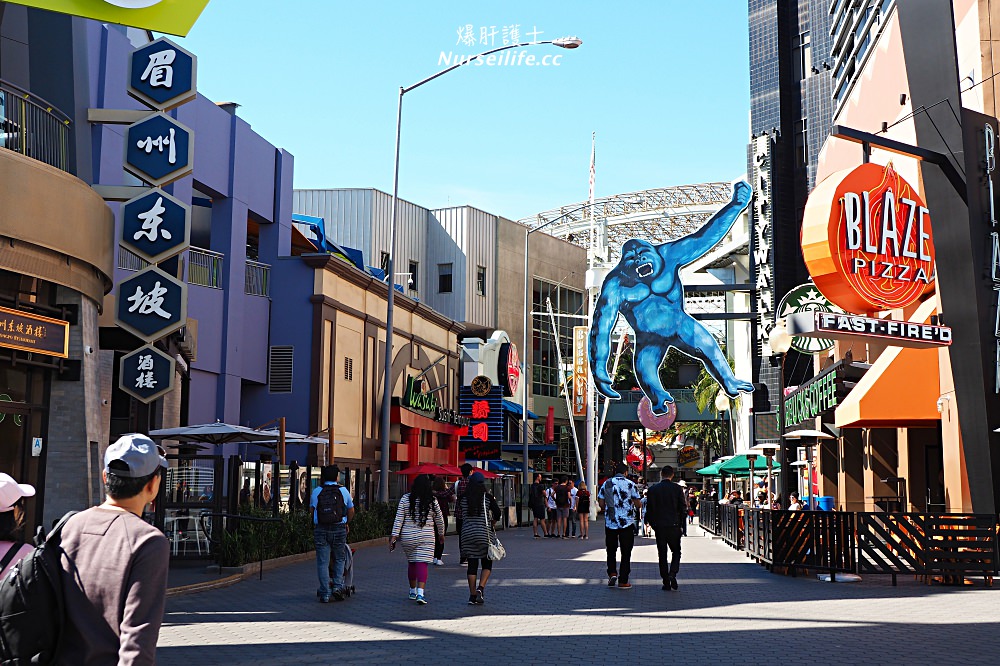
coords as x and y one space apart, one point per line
515 447
515 409
505 466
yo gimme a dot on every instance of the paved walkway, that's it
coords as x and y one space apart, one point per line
548 603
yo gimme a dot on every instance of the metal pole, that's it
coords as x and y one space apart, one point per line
525 380
383 481
786 464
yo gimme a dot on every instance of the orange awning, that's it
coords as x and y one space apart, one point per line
900 390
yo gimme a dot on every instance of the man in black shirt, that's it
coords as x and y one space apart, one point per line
666 510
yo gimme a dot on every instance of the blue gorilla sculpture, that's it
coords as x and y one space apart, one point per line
646 288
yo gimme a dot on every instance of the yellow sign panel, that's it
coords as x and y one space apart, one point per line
33 333
174 17
580 370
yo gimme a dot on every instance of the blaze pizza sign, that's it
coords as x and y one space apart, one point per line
867 241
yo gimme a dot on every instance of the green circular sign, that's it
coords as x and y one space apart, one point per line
807 298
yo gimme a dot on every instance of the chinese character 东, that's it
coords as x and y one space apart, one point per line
145 362
465 35
149 303
160 70
480 409
481 431
145 380
160 143
151 222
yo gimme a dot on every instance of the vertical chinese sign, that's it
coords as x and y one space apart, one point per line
580 370
482 403
155 226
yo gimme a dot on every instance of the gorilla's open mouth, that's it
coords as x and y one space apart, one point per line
644 270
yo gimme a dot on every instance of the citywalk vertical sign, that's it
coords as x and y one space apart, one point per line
173 17
763 230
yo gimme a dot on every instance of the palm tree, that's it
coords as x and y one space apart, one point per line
712 436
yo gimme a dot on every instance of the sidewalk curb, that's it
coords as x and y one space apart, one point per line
250 570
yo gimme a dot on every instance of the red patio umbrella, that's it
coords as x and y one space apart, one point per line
452 470
487 474
425 468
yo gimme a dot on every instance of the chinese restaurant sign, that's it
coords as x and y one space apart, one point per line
485 413
33 333
866 240
174 17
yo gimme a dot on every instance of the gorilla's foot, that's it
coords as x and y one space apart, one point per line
604 388
737 386
663 406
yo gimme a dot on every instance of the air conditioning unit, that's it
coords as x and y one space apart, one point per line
187 341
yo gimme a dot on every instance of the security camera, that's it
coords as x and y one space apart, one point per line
88 349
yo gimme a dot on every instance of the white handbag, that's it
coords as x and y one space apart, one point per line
496 551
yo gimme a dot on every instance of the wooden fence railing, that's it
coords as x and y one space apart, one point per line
947 545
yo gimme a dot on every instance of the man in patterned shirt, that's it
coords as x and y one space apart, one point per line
619 498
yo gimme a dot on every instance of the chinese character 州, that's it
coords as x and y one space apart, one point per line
480 409
465 35
149 303
159 142
145 380
160 70
145 362
151 222
481 431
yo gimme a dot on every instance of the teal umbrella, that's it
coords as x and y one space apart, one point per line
711 470
740 466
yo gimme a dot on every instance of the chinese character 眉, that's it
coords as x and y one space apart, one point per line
151 222
149 303
160 70
159 143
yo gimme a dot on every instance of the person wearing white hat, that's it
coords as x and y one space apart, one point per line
12 522
114 565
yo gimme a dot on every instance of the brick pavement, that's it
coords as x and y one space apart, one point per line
548 602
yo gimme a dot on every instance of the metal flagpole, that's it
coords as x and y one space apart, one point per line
591 435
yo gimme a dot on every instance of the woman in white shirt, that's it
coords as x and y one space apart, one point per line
12 546
793 502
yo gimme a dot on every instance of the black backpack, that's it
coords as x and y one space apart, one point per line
32 602
330 506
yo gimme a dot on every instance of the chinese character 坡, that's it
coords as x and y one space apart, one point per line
151 222
481 431
159 142
480 409
149 303
160 70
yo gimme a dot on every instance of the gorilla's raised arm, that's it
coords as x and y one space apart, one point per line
599 344
687 249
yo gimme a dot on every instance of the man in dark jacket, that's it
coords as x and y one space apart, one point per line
666 511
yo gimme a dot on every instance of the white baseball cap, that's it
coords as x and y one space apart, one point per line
11 491
140 454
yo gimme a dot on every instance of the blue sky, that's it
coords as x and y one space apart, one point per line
664 84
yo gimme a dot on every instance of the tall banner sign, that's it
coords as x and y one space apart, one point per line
761 241
580 370
646 288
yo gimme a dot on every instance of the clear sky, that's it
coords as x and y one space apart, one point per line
664 84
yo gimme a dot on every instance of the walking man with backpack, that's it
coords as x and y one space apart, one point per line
114 564
332 510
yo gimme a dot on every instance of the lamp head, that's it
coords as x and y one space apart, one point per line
722 402
568 42
779 339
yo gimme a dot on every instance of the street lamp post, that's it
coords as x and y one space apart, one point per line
780 342
383 489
